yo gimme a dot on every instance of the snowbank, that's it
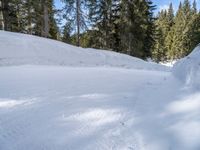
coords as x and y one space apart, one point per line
21 49
188 68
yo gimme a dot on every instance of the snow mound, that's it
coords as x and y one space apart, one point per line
21 49
188 68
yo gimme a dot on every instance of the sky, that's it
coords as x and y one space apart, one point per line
161 4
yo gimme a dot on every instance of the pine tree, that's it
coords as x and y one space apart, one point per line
150 29
137 27
159 49
170 16
194 7
186 21
75 14
115 41
9 15
54 31
29 16
191 34
185 33
123 26
169 31
175 38
66 33
100 14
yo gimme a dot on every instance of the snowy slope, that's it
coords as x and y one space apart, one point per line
188 69
20 49
123 103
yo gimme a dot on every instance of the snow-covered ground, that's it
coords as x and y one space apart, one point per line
188 69
169 63
54 96
20 49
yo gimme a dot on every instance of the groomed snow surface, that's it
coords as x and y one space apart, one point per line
54 96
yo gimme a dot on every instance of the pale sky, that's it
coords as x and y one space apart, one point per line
161 4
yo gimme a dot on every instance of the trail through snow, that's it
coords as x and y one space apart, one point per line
94 108
122 103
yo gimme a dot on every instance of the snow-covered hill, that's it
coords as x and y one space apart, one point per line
54 96
188 69
21 49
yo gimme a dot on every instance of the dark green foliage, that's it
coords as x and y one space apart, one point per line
123 26
67 33
27 16
177 35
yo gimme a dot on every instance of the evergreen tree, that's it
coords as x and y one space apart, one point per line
170 16
67 33
100 14
150 29
194 7
54 31
123 26
29 16
184 34
175 36
169 31
75 15
159 49
9 15
137 27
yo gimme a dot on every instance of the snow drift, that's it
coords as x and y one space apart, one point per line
21 49
188 68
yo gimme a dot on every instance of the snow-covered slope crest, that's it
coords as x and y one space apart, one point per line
188 68
21 49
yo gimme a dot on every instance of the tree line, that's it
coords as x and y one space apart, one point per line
123 26
36 17
178 33
120 25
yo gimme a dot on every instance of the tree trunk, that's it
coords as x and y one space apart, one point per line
45 27
4 4
1 16
78 21
19 27
29 17
5 14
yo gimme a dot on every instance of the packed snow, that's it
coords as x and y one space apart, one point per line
188 69
32 50
54 96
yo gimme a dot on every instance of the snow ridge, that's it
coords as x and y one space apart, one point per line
21 49
188 69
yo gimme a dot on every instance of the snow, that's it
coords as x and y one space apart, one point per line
168 63
9 103
32 50
188 69
121 103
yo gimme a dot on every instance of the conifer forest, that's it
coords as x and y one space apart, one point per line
124 26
